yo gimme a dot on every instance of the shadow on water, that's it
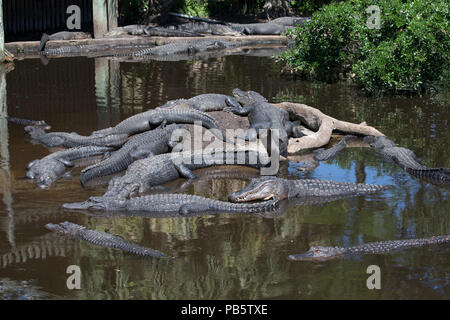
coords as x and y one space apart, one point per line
224 256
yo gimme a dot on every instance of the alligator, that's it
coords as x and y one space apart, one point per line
144 174
264 28
207 28
140 146
69 140
323 154
274 27
50 168
183 204
264 188
159 117
190 47
63 35
325 253
25 122
149 30
102 239
166 32
77 49
290 21
407 160
262 116
204 102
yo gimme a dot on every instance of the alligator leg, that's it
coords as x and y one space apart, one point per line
32 163
67 163
184 171
190 208
140 154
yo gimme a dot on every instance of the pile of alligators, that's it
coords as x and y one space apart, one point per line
200 37
150 148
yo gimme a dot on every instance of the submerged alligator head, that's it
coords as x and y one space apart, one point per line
318 253
35 131
97 203
262 188
65 228
45 172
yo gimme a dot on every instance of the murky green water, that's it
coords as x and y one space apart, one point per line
225 256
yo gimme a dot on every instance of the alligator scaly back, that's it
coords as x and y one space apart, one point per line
102 239
407 160
274 187
184 204
140 146
381 247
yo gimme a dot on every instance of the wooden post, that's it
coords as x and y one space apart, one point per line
2 34
113 13
100 17
102 92
5 172
105 13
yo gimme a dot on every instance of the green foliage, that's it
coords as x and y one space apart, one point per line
198 8
132 11
409 51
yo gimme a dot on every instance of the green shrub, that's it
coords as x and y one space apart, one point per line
408 52
197 8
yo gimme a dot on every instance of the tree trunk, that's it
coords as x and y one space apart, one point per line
323 124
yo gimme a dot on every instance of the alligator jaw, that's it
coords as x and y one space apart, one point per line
55 227
307 256
85 205
260 189
310 256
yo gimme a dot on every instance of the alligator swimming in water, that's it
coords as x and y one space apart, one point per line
63 35
323 154
52 167
150 172
160 116
69 140
264 188
204 102
263 116
184 204
324 253
140 146
102 239
407 160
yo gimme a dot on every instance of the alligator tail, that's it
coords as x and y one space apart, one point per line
44 39
111 165
26 122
